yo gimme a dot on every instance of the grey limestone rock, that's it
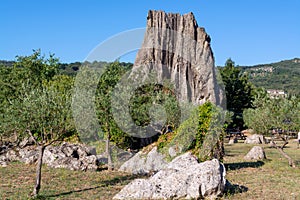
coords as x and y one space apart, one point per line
184 178
67 155
144 163
256 139
175 48
26 142
256 153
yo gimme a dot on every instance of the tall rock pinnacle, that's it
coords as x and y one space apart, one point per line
178 50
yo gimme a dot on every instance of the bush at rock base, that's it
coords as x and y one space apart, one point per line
202 134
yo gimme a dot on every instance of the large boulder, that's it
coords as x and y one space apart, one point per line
124 156
184 177
256 139
256 153
144 163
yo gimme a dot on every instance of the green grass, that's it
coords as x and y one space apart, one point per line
16 182
268 179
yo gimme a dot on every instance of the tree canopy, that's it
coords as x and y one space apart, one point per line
238 90
37 103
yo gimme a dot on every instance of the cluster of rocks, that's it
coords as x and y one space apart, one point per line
74 157
257 152
256 139
66 155
184 177
251 139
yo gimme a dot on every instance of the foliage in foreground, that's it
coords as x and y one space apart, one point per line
202 133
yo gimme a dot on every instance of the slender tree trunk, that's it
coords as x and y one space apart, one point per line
291 162
39 171
108 152
280 149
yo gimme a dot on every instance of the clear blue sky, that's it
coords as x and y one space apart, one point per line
248 31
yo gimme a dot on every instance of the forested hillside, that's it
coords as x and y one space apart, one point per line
283 75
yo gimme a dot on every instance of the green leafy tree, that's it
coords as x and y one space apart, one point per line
152 96
239 92
274 113
40 104
106 84
45 115
142 105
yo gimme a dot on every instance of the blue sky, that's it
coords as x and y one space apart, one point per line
248 31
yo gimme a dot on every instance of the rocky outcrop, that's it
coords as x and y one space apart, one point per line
256 139
69 156
26 142
176 49
256 153
184 177
144 163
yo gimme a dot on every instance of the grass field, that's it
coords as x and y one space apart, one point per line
267 179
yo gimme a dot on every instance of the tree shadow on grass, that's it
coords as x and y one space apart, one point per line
105 183
240 165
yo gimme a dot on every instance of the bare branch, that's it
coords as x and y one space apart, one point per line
34 139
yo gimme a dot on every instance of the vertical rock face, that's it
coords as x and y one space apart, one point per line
176 49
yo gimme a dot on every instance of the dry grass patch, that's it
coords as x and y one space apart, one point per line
17 180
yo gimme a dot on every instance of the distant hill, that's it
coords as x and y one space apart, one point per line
283 75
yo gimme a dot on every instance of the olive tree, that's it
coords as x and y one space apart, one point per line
45 115
39 105
270 113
